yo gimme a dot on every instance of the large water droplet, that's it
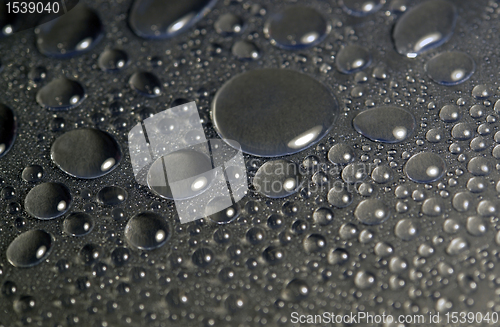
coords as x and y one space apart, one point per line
361 7
147 231
352 58
426 26
29 249
385 124
273 112
450 68
160 19
48 200
75 32
425 167
297 27
8 127
277 179
372 212
86 153
78 224
60 94
146 84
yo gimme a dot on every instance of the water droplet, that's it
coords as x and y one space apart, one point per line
352 58
323 216
228 24
424 27
159 19
382 174
364 279
86 153
224 216
120 256
481 91
450 113
457 245
113 59
277 179
78 224
71 34
61 94
314 243
339 197
269 112
111 195
476 226
425 167
146 84
383 249
387 124
8 128
462 132
361 8
183 164
372 212
406 229
203 257
296 290
338 256
273 254
433 207
48 200
354 173
297 27
147 231
341 154
37 73
450 68
29 249
245 50
480 166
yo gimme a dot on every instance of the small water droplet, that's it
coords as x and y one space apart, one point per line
113 59
29 249
48 200
61 94
425 167
277 179
146 84
147 231
297 27
352 58
78 224
387 124
111 195
372 212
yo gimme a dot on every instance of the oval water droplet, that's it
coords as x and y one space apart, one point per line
386 124
33 173
425 167
406 229
86 153
111 195
450 68
160 19
75 32
147 231
424 27
183 164
273 112
277 179
78 224
341 154
8 128
297 27
372 212
113 59
146 84
48 200
245 50
29 249
228 24
61 94
352 58
361 8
